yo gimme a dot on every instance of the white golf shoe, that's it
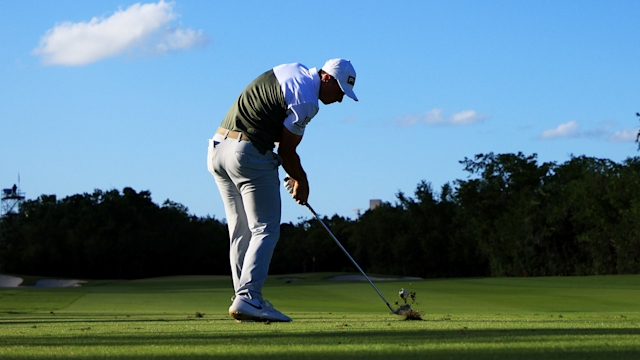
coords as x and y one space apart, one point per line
247 309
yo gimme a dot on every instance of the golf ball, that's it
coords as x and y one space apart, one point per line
403 293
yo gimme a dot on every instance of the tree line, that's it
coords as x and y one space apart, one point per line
513 216
109 234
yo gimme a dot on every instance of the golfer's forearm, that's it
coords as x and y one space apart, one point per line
293 167
290 159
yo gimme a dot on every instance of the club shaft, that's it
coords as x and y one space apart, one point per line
349 256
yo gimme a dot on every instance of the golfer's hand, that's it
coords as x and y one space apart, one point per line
299 191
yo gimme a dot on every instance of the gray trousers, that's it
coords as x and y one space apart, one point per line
250 188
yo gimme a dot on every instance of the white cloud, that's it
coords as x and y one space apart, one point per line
603 132
178 39
142 28
625 135
567 130
466 117
435 117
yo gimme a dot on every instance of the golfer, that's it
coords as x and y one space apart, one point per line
273 110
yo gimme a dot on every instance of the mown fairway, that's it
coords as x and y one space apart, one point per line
490 318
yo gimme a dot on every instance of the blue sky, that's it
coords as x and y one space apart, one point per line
110 94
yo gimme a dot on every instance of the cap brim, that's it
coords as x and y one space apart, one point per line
348 91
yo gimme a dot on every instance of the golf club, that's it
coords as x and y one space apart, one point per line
402 309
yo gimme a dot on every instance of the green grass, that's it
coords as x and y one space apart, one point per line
594 317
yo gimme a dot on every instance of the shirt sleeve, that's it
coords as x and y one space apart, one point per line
298 116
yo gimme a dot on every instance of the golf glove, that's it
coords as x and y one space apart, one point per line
288 184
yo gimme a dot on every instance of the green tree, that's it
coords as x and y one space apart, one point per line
624 234
499 209
113 235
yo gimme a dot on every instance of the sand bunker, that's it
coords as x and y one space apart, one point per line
58 283
373 278
10 281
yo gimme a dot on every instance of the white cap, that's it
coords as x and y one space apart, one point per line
343 71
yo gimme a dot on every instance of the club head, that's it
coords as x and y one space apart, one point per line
402 309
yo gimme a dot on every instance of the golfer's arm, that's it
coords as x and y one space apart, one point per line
290 159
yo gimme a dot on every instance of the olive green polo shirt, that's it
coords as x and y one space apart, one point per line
259 112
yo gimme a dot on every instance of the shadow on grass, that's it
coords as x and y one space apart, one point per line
324 337
205 342
26 318
90 319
